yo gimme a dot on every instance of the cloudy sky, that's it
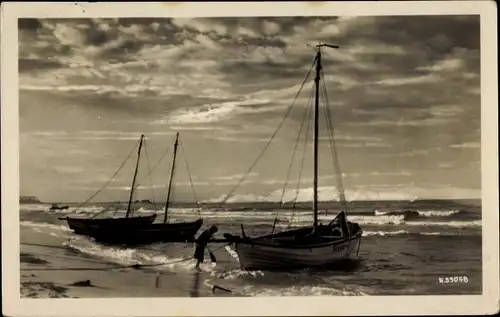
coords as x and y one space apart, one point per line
404 93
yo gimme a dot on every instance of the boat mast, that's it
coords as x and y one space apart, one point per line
135 176
316 130
176 144
315 136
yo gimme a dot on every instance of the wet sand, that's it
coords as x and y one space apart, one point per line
49 270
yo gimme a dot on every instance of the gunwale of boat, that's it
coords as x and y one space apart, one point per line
170 232
268 242
172 225
114 220
84 226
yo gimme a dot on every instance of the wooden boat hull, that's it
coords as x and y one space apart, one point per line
148 234
268 257
82 225
283 251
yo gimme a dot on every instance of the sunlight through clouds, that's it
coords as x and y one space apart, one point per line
403 97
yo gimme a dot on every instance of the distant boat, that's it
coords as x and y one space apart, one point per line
309 246
92 226
57 207
148 232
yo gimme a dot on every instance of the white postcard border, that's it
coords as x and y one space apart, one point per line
13 305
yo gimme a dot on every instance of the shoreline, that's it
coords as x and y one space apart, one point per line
54 271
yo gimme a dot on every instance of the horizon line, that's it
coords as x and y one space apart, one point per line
146 201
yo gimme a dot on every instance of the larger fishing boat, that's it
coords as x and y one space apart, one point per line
307 246
139 230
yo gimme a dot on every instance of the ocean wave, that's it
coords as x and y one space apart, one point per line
418 213
438 213
454 224
407 233
385 233
305 290
259 214
236 273
40 225
68 210
293 221
34 207
130 256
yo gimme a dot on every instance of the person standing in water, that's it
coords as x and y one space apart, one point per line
201 244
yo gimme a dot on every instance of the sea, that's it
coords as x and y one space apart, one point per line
417 248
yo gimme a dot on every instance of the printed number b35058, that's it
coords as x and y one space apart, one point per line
453 279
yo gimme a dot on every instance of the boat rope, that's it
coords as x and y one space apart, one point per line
297 141
150 175
117 266
156 165
150 172
107 183
299 178
137 186
333 148
190 177
231 192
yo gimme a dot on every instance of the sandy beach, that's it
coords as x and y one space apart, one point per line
54 271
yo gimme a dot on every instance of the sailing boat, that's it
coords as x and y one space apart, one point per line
309 246
149 232
85 226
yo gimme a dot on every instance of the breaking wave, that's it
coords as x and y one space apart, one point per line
446 218
130 256
419 213
41 225
251 290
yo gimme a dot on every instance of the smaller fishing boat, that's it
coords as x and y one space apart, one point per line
148 232
87 226
57 207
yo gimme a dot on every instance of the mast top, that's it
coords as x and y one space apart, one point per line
327 45
320 45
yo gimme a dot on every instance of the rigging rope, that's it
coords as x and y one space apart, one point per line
333 148
297 141
137 186
157 164
306 139
272 136
151 170
150 178
190 178
107 183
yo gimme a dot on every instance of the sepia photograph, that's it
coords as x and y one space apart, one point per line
232 155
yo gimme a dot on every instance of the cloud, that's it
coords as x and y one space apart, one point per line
467 145
368 193
220 111
270 27
235 176
69 169
408 80
395 89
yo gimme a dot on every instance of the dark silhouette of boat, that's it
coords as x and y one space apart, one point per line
309 246
84 226
88 226
57 207
137 230
149 233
